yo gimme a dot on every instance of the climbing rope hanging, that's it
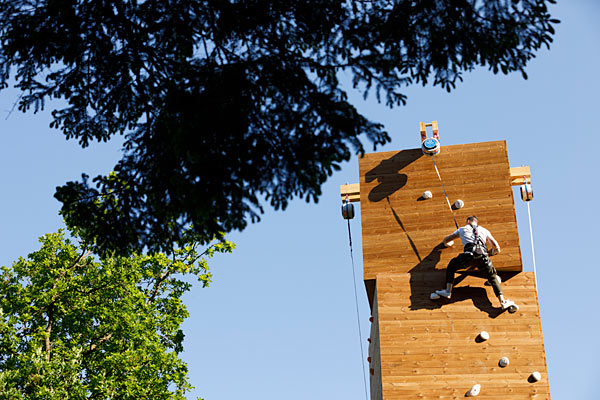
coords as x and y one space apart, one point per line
348 214
445 194
431 147
532 247
527 196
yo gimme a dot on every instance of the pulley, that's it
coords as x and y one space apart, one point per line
348 209
526 190
430 146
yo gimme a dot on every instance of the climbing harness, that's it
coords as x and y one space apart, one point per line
348 214
479 248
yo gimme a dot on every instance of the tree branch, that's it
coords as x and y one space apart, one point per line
94 346
157 286
49 330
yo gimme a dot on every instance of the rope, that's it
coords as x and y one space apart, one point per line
362 355
532 248
445 194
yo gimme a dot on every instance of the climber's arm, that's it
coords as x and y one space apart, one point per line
449 240
493 241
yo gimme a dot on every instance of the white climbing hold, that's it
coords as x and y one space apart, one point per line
484 335
536 376
459 204
503 362
427 195
474 390
449 244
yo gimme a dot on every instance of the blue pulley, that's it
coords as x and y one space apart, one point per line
348 210
526 191
431 146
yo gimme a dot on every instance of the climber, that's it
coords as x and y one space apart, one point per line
474 239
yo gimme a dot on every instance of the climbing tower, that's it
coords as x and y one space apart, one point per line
423 348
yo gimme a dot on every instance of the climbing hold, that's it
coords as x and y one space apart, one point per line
372 371
474 390
427 195
513 308
369 359
503 362
369 340
484 335
370 319
348 210
535 376
449 244
458 204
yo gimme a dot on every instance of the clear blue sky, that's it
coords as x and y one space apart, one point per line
279 319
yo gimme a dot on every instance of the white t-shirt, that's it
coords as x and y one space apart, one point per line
467 236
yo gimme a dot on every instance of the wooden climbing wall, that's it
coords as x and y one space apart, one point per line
401 231
421 348
430 349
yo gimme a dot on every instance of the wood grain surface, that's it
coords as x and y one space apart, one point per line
401 231
430 349
425 349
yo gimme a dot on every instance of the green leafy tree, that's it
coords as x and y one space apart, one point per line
73 326
226 105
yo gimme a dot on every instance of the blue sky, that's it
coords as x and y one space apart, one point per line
279 319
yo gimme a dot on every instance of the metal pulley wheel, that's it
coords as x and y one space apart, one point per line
348 210
431 146
526 192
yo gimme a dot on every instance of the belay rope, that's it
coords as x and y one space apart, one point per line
527 197
445 194
362 355
532 249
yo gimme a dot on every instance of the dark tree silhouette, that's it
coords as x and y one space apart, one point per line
226 105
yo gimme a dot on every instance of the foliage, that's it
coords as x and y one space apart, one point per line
228 104
72 327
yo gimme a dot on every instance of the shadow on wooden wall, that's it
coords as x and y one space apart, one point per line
388 176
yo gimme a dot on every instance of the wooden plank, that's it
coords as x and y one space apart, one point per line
351 190
374 358
429 349
399 227
517 174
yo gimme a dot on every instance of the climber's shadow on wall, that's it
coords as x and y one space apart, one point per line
426 278
388 176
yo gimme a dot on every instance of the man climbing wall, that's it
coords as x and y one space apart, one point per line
474 239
